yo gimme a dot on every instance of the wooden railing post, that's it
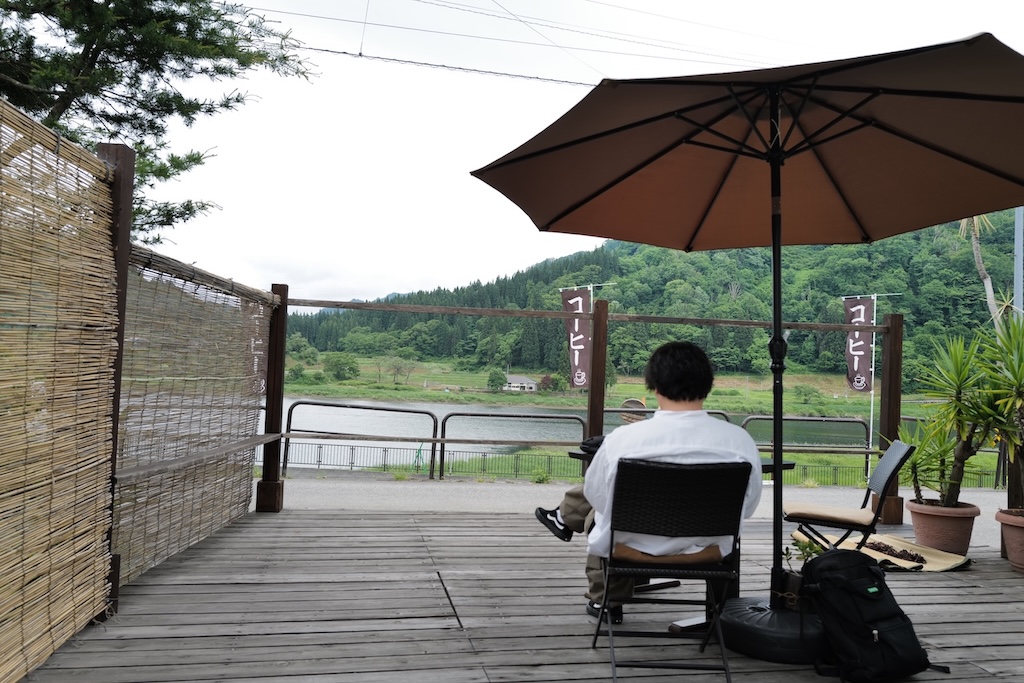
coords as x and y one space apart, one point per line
889 412
598 361
270 489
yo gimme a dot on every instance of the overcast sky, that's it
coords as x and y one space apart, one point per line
356 184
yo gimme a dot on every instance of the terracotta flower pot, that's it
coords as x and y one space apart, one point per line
1012 522
942 528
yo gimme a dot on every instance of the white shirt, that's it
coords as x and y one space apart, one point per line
690 436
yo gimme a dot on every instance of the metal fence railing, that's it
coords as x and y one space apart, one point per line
466 463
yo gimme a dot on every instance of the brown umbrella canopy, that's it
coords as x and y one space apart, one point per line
867 148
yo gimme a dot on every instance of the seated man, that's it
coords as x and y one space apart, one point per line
680 431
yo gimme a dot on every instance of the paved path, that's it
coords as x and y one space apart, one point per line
310 490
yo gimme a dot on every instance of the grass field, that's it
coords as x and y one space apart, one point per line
439 382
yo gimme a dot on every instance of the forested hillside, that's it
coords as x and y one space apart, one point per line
932 270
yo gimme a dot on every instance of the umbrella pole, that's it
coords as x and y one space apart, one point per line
777 346
766 629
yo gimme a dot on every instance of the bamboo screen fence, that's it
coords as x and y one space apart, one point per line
192 373
58 322
191 386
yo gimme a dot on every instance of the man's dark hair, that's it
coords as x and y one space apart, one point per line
679 371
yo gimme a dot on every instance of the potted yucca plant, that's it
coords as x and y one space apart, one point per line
967 416
1005 353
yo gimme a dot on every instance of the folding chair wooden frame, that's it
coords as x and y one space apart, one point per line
668 499
863 520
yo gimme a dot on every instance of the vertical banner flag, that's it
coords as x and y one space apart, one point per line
578 329
859 353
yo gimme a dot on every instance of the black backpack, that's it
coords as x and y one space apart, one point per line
870 636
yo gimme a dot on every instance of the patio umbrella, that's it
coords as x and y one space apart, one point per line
846 151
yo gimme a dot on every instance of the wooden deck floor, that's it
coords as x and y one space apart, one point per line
327 596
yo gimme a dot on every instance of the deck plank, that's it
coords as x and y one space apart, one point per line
341 596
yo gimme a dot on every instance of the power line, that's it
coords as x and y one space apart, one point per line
463 69
619 37
537 31
606 35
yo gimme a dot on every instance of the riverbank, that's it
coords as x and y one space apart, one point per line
807 394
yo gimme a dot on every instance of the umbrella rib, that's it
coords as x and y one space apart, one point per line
744 149
675 113
714 198
960 158
741 148
795 112
812 141
577 141
817 138
707 209
610 184
751 123
910 92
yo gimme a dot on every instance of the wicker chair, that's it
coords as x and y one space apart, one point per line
863 520
666 499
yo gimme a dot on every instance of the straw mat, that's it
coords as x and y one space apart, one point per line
931 560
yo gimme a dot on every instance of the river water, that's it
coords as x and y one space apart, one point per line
398 434
507 424
427 420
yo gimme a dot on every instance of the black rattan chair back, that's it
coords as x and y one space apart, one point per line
889 466
670 499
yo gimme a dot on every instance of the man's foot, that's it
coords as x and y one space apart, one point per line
552 519
594 609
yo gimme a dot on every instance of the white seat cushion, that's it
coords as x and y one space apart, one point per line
829 513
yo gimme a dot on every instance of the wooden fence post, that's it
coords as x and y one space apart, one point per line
270 489
121 159
889 417
598 361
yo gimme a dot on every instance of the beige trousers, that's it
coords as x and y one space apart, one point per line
579 516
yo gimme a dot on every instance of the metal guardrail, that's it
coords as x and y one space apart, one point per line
435 439
531 416
330 404
542 467
324 454
867 450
